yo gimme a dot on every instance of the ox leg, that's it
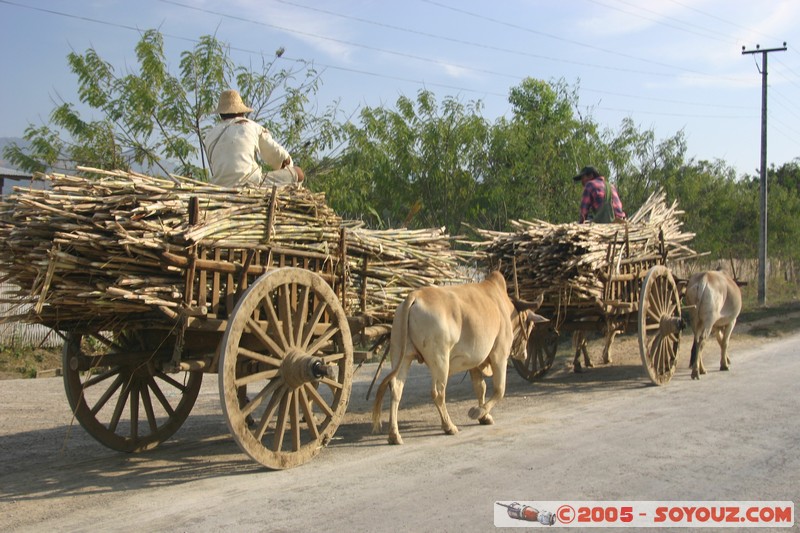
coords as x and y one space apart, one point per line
498 389
397 385
580 345
438 388
479 386
610 336
697 354
723 336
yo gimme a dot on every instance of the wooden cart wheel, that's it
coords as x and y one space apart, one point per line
542 348
288 339
660 324
119 394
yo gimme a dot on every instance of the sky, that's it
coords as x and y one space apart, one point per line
669 65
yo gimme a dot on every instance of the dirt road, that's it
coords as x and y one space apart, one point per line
603 435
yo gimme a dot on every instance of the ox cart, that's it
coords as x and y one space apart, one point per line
610 278
150 295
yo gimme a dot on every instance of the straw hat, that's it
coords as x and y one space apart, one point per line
230 103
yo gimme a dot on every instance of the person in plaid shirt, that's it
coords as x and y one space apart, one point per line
594 207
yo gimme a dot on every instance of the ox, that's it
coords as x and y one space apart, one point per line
715 302
469 327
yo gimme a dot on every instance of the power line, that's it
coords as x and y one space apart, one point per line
720 19
570 41
421 58
455 40
726 39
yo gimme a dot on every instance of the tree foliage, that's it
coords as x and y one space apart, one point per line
153 118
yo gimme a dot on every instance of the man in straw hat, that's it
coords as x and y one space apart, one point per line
232 146
600 201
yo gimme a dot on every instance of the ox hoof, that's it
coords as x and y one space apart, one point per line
395 438
608 361
486 420
589 364
477 413
695 375
577 369
724 368
452 430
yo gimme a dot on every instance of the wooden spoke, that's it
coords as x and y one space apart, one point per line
107 394
262 336
258 376
134 396
311 422
260 397
295 418
280 425
274 323
269 412
332 384
285 313
164 377
122 400
148 409
319 311
100 377
332 358
160 395
322 340
318 400
244 352
301 315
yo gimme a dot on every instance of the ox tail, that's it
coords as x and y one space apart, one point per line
697 295
397 350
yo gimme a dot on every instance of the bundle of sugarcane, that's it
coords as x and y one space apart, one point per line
88 249
398 261
575 259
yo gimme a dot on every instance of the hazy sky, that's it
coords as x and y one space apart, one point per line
670 65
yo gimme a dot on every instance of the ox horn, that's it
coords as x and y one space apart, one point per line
523 305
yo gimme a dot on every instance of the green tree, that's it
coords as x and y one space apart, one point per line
154 118
417 164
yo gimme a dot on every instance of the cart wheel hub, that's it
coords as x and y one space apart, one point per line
670 325
299 368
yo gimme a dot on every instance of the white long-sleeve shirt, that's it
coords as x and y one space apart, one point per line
232 146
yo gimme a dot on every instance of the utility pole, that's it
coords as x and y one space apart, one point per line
762 230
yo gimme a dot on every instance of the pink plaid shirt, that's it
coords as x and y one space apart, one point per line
594 193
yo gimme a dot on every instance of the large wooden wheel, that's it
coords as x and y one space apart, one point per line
288 340
118 392
542 348
660 324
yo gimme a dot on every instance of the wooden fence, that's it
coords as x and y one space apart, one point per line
745 269
18 334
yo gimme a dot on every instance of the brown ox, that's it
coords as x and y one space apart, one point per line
715 302
469 327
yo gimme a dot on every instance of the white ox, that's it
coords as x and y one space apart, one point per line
469 327
715 302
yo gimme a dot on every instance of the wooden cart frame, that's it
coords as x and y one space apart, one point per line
639 294
273 323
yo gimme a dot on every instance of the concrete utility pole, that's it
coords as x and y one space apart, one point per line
762 230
